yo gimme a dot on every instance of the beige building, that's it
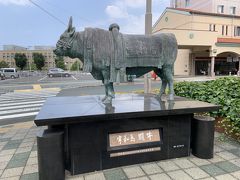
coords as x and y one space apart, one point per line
209 43
7 55
231 7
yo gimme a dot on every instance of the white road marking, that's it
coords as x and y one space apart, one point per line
74 78
42 78
21 103
18 115
22 106
19 110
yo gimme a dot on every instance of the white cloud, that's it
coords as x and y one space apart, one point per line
15 2
130 14
116 12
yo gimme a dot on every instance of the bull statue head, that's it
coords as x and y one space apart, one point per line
65 42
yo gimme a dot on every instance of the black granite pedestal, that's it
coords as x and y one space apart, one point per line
133 129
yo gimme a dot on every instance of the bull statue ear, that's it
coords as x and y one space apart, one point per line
70 24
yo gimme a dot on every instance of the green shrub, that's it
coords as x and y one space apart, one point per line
224 92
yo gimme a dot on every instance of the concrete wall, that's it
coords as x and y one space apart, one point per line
181 66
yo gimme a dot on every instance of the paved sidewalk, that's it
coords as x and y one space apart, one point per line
18 160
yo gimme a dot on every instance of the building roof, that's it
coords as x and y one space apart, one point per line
228 40
192 11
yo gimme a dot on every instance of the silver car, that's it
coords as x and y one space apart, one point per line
57 72
10 73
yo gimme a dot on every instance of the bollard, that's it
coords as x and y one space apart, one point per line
50 155
203 136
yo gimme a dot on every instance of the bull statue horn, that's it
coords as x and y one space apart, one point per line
70 24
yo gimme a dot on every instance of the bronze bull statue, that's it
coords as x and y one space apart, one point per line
107 53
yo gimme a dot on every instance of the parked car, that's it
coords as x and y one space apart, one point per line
2 76
57 72
10 73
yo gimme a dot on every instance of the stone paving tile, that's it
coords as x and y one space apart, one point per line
12 144
115 174
133 171
168 165
236 152
151 168
3 165
199 162
161 176
23 150
140 178
228 166
11 178
34 148
218 149
12 172
227 155
210 178
29 140
196 173
236 174
183 163
95 176
212 170
32 160
236 162
26 144
32 176
33 154
225 177
7 152
16 163
179 175
30 169
216 159
4 139
5 158
227 146
3 143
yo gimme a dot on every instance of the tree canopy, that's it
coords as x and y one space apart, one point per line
20 60
59 61
39 60
3 64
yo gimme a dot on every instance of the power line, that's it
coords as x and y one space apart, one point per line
50 14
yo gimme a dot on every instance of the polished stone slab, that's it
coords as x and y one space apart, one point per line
66 110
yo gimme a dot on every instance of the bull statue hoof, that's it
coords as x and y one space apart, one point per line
171 97
107 100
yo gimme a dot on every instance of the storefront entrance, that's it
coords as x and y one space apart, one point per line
223 66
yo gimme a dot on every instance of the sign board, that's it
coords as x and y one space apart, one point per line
134 137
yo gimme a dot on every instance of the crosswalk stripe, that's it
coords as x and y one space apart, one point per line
20 110
23 104
18 115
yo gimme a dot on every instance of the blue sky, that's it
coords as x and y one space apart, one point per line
24 24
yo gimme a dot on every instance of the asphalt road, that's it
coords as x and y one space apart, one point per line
12 104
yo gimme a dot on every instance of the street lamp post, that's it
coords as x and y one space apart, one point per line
148 31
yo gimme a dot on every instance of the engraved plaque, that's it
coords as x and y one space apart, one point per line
134 137
135 152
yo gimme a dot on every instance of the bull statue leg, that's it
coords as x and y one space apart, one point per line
169 75
166 76
109 90
160 73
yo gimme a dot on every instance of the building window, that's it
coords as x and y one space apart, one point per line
232 10
226 30
222 29
237 31
212 27
220 9
187 3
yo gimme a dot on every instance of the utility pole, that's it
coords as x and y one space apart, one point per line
148 31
